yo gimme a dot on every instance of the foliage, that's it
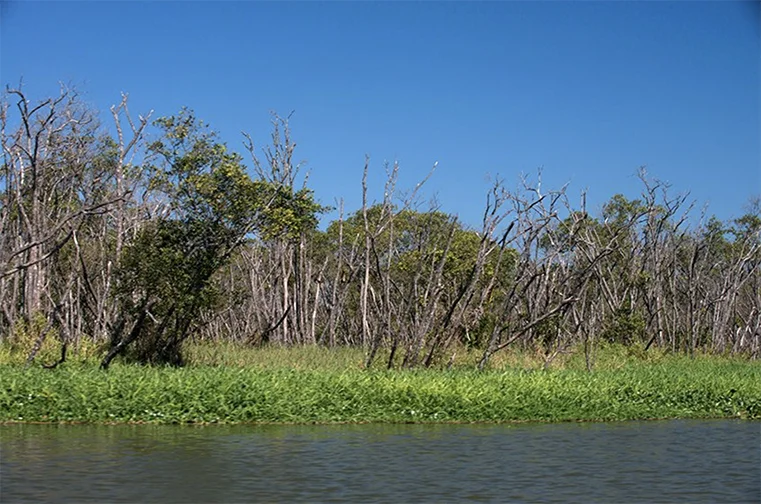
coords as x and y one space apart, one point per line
112 241
675 387
624 326
289 214
26 335
165 275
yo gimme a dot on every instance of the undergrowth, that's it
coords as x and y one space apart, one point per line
287 386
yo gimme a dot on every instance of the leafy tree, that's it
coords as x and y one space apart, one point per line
165 277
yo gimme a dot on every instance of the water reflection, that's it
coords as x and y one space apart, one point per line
675 461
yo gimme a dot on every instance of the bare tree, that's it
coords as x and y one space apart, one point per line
58 184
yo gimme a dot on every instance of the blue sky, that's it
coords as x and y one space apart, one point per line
589 91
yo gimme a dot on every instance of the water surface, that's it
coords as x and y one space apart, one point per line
665 461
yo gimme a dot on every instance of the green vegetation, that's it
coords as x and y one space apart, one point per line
164 282
126 243
159 247
313 384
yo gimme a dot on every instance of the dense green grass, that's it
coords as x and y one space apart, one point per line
305 386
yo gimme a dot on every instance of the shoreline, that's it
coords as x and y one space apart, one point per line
7 423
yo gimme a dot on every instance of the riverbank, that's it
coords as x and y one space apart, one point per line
339 392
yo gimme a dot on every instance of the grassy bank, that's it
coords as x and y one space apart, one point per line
305 386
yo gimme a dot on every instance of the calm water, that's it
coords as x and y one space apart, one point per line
673 461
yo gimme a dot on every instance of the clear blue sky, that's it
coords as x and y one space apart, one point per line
589 91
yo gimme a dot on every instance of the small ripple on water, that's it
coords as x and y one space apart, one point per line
672 461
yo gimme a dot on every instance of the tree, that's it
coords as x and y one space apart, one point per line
58 186
165 276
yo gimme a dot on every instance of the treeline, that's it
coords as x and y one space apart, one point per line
139 239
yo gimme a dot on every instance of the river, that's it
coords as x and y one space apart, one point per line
660 461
